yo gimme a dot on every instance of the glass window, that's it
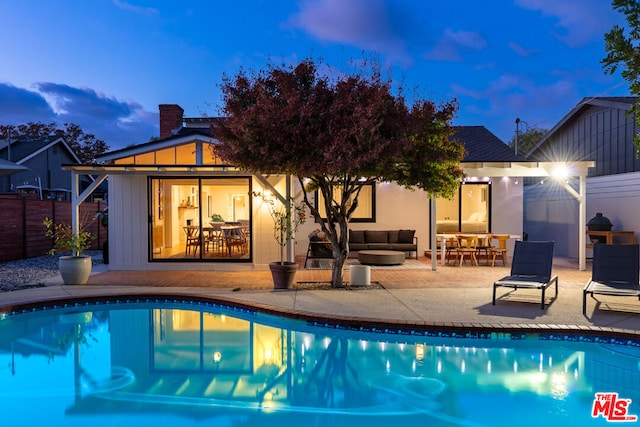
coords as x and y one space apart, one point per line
366 210
146 158
166 156
186 154
467 212
200 219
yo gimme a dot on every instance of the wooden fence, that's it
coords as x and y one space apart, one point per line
22 232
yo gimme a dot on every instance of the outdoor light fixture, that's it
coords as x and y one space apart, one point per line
560 172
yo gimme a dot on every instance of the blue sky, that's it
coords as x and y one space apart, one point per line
107 64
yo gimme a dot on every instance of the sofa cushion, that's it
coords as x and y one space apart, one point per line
376 236
356 236
379 246
357 246
393 236
405 247
406 236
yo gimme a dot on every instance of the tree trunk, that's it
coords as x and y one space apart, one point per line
336 274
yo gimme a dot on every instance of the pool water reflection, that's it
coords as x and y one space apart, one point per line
182 364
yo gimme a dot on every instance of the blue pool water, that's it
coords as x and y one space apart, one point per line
190 364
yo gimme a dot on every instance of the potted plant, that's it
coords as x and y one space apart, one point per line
216 219
285 225
75 268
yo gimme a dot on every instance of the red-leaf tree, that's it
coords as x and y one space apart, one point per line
336 136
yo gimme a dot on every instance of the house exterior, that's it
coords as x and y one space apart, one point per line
599 129
42 157
160 191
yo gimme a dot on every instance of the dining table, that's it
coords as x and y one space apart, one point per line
481 236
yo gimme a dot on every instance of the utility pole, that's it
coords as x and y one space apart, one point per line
518 121
517 133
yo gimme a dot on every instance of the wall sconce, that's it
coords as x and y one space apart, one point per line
217 357
266 196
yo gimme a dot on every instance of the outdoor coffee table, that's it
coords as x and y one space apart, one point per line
381 257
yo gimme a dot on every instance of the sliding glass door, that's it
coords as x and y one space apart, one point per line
203 219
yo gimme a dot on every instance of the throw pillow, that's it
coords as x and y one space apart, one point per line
406 236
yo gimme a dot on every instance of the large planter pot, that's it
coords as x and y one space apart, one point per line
283 274
75 270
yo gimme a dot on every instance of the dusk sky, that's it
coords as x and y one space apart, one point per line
107 64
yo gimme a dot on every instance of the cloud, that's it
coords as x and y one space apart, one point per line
579 22
84 102
118 123
450 45
521 51
16 104
512 95
137 9
367 24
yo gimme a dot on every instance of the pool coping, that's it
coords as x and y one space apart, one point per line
510 331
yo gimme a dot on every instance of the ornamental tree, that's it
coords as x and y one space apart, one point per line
336 135
623 52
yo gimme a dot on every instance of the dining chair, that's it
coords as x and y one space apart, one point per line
467 244
192 239
483 247
451 246
236 237
501 250
213 240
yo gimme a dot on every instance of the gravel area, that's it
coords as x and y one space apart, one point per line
30 272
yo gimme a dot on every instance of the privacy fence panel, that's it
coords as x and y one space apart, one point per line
22 232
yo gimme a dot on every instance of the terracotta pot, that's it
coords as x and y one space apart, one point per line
283 274
75 270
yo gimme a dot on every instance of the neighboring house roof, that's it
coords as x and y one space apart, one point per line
618 102
483 146
24 148
9 168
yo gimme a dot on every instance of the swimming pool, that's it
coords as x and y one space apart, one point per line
163 362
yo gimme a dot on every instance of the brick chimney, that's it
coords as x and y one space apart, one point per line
170 119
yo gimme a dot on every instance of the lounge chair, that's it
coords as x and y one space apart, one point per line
530 268
614 272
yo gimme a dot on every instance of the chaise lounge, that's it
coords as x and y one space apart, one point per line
614 272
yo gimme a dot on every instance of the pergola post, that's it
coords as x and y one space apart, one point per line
432 235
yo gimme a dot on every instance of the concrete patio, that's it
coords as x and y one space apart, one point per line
451 297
